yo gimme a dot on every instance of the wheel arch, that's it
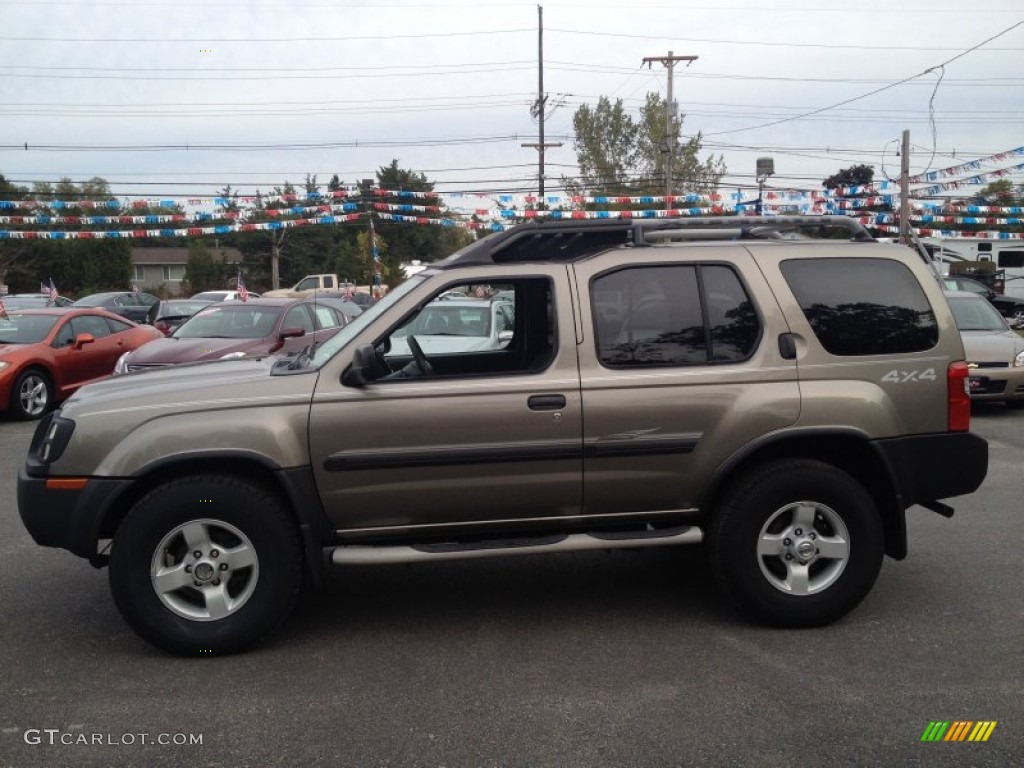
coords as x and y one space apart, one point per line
294 486
847 449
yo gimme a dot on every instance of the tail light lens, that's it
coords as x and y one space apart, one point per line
959 396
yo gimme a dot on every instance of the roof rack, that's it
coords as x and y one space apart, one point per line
570 240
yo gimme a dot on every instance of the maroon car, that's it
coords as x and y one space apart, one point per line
239 329
47 354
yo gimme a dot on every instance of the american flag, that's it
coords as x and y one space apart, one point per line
243 294
50 291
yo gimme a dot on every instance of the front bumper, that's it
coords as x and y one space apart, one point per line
68 519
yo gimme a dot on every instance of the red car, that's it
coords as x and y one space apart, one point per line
46 354
230 329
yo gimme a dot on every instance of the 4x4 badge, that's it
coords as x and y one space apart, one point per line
902 377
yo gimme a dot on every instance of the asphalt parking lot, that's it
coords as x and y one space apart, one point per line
629 658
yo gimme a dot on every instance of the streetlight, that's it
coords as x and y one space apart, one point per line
765 168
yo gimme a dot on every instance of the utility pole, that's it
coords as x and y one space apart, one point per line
905 189
670 111
538 106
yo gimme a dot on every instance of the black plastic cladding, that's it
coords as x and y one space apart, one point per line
571 240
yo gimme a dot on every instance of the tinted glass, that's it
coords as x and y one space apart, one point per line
733 323
64 336
92 324
862 306
116 326
649 316
298 317
1013 259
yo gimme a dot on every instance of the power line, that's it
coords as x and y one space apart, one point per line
320 39
774 44
874 92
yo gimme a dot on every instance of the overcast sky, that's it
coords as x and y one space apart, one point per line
445 87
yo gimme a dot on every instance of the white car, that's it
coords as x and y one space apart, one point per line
222 296
457 325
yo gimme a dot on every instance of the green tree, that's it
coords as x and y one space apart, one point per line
618 155
76 266
202 271
1000 192
854 176
606 147
414 242
689 173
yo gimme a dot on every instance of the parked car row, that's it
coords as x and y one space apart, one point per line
46 354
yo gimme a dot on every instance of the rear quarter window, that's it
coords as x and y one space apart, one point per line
863 306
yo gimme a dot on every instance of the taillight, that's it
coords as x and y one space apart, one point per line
163 327
959 396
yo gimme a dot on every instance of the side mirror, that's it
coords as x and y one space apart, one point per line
291 333
82 339
364 369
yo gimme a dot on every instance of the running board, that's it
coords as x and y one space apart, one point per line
382 554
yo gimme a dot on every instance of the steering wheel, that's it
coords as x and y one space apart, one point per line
421 359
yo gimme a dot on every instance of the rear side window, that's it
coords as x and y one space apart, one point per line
863 306
672 316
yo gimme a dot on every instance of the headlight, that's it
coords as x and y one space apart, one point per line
232 355
121 366
1018 361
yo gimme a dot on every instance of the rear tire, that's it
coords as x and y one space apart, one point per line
206 565
797 543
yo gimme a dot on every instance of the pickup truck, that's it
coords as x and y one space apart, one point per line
307 286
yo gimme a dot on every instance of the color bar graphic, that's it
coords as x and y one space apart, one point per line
958 730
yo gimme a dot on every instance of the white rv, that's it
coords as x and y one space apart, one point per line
1005 255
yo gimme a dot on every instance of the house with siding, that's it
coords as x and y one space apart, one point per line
165 266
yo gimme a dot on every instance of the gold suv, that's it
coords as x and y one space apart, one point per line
780 390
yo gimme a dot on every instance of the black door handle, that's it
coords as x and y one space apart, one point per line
787 346
546 402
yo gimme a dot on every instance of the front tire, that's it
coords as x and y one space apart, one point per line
32 394
797 543
206 565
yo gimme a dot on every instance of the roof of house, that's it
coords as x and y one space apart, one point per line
165 255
